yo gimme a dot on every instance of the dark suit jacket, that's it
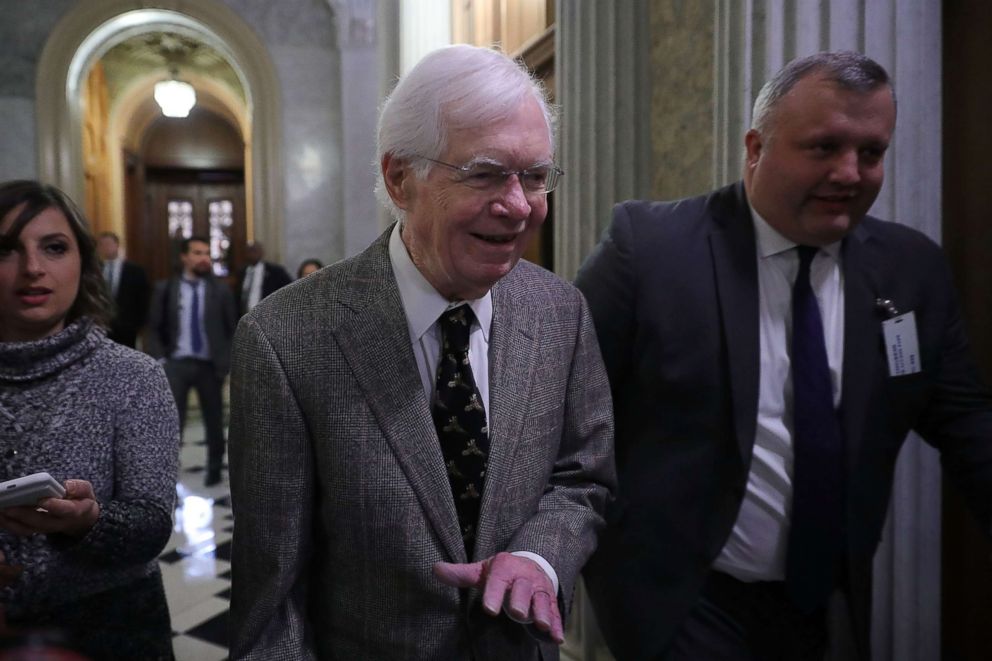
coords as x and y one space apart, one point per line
219 321
130 304
339 485
674 294
275 277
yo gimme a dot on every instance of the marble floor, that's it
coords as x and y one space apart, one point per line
196 563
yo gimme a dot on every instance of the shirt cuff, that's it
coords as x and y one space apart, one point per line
543 564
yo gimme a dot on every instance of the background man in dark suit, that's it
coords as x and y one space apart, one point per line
129 290
258 279
192 321
769 346
422 433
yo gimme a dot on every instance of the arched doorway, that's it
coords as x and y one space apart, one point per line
132 151
92 28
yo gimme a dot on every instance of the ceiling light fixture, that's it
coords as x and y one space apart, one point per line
175 97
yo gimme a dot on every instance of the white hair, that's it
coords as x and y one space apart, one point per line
454 87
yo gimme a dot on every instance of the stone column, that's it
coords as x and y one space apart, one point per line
425 25
601 55
407 32
602 52
358 39
757 37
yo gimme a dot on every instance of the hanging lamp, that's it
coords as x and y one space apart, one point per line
175 97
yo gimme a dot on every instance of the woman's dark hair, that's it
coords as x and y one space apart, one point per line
306 263
92 300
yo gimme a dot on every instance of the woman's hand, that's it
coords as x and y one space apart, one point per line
72 515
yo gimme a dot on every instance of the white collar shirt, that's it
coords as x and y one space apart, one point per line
254 275
423 305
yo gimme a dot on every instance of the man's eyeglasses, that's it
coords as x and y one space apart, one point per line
489 177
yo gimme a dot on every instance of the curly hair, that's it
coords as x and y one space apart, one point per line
92 299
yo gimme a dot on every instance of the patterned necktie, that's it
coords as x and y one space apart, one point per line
460 420
195 335
816 538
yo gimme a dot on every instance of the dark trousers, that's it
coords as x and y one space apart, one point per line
186 373
738 621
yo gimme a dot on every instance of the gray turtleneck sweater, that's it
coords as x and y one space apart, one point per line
82 407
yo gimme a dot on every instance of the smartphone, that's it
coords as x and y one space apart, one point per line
29 489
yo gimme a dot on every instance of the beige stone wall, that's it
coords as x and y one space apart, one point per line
682 78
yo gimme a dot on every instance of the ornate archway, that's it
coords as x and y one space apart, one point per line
94 26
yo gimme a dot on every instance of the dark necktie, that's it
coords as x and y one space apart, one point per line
460 420
816 538
196 337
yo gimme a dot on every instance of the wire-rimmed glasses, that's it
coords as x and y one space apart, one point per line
490 176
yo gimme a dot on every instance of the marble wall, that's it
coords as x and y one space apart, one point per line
326 70
18 151
682 97
22 36
325 56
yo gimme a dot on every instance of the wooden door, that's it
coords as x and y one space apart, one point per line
181 204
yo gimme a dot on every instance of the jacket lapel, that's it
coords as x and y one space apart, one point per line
512 360
174 315
862 330
376 344
732 245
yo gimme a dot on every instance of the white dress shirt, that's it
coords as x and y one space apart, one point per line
423 305
251 292
757 546
112 274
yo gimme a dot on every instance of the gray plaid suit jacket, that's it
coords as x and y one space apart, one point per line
339 488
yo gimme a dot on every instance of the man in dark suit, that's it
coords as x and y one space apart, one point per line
769 346
129 290
258 279
422 434
192 321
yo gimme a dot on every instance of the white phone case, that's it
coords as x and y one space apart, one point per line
29 489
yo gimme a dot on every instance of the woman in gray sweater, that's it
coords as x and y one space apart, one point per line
100 419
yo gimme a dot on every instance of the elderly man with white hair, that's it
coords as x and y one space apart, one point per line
422 435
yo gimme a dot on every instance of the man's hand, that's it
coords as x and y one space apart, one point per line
72 515
518 582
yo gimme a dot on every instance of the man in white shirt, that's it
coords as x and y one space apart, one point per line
769 346
259 278
421 435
